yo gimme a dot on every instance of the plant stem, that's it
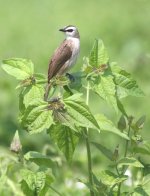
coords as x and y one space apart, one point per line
87 93
88 146
47 91
125 154
55 190
119 188
127 143
89 160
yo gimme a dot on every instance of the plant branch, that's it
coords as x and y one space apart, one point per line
125 154
127 142
47 89
117 170
88 146
87 93
54 190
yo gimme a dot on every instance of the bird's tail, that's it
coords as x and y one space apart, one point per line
47 89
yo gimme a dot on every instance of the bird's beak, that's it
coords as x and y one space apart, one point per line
63 30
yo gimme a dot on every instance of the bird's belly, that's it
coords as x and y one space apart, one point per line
73 59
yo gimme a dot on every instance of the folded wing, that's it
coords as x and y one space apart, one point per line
59 58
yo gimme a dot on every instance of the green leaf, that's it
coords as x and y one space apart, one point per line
86 68
104 150
143 188
122 123
25 188
21 104
28 182
139 191
33 94
37 118
109 178
89 186
40 182
121 108
98 55
62 116
65 139
106 125
101 188
129 161
33 183
125 84
76 82
3 176
106 89
79 113
40 78
21 69
140 122
146 180
143 148
39 159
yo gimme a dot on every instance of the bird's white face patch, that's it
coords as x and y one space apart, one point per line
70 31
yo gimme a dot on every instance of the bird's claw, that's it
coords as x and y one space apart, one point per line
70 77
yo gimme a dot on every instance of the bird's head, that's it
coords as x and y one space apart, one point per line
70 31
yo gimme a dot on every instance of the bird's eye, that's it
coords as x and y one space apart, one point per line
70 30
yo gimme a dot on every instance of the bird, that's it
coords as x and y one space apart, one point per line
65 56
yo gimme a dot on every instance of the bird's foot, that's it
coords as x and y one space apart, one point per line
54 99
70 77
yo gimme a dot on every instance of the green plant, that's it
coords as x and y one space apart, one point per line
67 117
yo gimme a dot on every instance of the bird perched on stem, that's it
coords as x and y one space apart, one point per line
65 55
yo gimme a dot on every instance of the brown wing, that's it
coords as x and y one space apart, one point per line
60 56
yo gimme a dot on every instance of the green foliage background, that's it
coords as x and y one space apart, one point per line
29 29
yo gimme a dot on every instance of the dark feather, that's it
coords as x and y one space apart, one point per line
59 58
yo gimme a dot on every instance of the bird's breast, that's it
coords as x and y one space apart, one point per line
75 47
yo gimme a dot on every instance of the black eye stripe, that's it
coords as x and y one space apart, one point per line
69 30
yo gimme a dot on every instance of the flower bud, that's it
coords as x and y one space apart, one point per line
15 145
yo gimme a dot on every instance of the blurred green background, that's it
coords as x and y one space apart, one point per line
29 29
